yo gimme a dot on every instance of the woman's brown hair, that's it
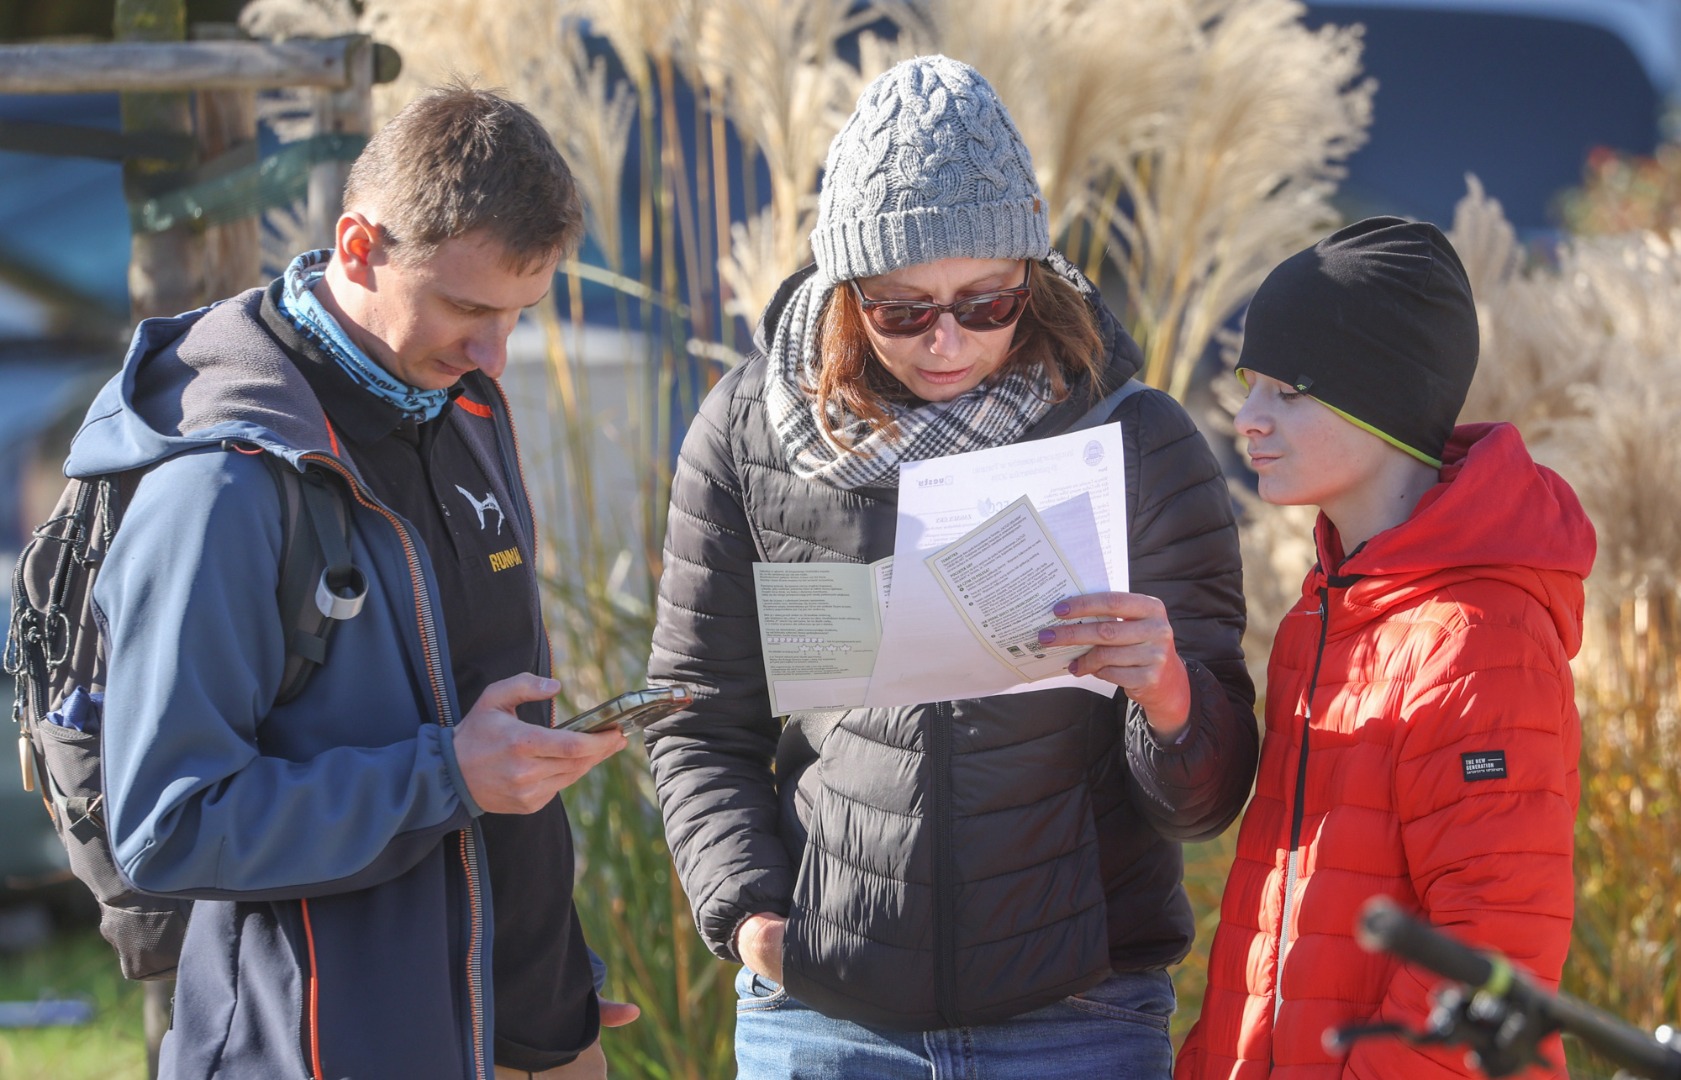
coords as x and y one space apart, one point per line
1057 332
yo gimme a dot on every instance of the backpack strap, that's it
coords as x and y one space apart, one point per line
319 585
1101 412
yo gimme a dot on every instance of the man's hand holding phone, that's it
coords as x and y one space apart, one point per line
633 711
512 767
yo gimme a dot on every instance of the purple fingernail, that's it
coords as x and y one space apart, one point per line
1061 609
1072 664
1047 636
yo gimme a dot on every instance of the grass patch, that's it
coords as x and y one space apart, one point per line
76 963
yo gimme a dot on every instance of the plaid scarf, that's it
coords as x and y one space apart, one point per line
995 413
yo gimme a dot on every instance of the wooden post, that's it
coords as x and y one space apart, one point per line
227 120
347 111
165 269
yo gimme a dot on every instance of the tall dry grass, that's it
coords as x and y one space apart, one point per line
772 70
1187 145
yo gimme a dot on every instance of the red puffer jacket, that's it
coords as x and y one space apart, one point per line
1421 742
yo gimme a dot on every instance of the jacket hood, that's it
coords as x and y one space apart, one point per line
193 381
1495 514
1125 359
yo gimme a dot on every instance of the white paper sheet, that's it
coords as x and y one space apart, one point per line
1003 577
819 629
1078 484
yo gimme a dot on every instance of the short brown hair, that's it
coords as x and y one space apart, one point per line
1057 332
459 159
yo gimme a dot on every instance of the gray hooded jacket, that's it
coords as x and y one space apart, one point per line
959 862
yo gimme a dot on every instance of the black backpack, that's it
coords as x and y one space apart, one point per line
55 650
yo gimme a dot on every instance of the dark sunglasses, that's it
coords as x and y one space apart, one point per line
908 318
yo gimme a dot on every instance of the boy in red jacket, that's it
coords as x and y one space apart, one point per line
1421 728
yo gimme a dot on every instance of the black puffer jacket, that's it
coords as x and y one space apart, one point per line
960 862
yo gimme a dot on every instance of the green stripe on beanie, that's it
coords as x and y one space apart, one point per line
1376 321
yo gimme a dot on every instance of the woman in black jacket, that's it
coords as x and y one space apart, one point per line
994 882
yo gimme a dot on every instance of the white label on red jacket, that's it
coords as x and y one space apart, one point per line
1484 765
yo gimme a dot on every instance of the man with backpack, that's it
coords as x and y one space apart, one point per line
381 876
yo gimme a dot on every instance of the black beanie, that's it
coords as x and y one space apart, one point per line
1377 322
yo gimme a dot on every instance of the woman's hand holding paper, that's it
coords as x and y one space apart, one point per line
1131 645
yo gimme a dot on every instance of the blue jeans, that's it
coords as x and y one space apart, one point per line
1117 1030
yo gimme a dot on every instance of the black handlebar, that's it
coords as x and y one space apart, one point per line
1385 926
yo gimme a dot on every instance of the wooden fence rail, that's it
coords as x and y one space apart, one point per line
189 65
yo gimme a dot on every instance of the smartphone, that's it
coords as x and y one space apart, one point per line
631 712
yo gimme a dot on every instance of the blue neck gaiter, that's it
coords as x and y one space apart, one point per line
314 322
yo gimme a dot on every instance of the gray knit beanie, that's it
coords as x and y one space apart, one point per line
930 166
